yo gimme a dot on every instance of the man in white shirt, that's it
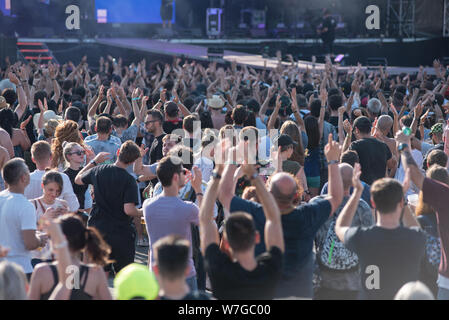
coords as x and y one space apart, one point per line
18 217
41 156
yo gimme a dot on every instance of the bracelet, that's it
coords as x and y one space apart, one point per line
333 162
61 245
134 99
200 194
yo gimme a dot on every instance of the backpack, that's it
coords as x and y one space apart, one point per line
333 254
433 246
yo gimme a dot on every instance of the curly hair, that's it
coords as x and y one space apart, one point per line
65 131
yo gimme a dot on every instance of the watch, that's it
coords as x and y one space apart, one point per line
402 146
94 163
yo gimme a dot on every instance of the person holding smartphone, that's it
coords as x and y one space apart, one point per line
52 187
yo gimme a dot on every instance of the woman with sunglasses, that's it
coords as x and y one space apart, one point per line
74 155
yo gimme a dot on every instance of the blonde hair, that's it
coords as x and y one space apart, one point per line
12 281
50 127
66 131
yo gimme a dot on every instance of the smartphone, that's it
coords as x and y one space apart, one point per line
315 94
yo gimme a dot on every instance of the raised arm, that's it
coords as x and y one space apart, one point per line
264 106
346 216
227 188
208 227
275 113
341 131
295 110
407 159
323 98
20 110
273 226
332 152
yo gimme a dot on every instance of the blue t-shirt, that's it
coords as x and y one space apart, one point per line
105 146
299 228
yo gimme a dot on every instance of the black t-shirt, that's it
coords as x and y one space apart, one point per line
80 191
393 256
113 187
156 149
373 156
230 281
170 126
333 120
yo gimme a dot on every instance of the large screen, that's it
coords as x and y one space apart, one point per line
130 11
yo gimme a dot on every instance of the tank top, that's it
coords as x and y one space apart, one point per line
77 294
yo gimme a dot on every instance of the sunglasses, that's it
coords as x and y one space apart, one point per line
79 153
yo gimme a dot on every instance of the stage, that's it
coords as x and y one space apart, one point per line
248 53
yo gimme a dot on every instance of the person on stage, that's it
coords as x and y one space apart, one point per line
326 31
167 12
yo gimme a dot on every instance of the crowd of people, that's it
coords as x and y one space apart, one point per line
241 183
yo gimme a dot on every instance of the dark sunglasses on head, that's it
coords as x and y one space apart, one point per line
79 153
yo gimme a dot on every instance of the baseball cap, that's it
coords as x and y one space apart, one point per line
436 128
135 280
285 140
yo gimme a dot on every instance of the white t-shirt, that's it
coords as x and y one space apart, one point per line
16 214
207 166
45 252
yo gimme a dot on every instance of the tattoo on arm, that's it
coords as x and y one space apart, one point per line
409 159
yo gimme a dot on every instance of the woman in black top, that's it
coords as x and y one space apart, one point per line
92 282
74 156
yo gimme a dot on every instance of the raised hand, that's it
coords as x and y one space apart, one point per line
143 150
164 95
418 110
197 179
401 137
25 123
13 78
356 183
347 126
332 150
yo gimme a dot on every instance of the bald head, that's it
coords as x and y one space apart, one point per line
283 187
346 175
384 123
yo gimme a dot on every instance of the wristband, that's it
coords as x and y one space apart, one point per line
333 162
134 99
216 175
200 194
402 146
